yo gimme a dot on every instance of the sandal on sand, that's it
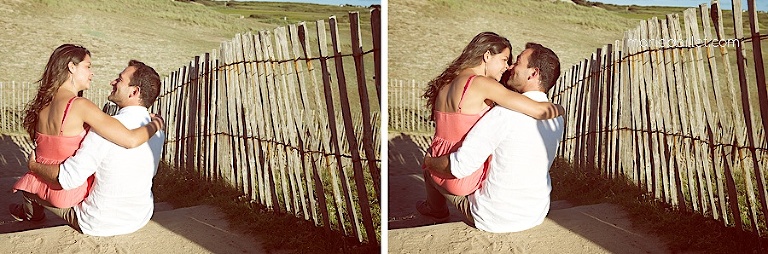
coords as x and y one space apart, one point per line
18 213
424 209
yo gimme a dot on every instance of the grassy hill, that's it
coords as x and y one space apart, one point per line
424 36
163 34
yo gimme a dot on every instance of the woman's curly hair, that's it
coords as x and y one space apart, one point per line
471 56
56 73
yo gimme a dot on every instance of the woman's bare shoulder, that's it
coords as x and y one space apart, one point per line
463 78
82 105
485 80
485 83
82 101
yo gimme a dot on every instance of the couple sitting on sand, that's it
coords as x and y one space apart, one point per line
492 162
99 187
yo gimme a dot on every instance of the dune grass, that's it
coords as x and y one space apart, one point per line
424 36
638 13
682 231
284 13
164 34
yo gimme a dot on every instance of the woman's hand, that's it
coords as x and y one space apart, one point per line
157 121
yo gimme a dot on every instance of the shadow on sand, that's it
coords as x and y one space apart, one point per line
406 183
14 151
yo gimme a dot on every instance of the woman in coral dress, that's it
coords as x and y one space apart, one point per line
58 120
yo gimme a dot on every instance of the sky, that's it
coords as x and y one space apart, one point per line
762 5
331 2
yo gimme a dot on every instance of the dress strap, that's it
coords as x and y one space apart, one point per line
66 110
466 86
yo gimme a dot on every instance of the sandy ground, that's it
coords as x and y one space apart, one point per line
600 228
199 229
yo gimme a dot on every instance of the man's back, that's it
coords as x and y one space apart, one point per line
121 198
515 195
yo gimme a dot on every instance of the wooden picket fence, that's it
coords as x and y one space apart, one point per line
275 118
665 108
679 110
407 108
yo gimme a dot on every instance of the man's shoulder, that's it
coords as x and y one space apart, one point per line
122 117
505 112
132 118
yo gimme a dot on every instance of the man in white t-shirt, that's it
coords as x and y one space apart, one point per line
120 200
515 194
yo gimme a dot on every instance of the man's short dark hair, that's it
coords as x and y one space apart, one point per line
547 62
148 81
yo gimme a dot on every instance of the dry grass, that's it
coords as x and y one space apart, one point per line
424 36
163 34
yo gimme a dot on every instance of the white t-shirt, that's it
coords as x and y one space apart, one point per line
515 194
120 201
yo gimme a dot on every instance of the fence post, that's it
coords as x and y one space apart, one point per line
376 36
267 145
683 95
706 122
654 120
290 103
301 128
573 99
638 162
762 92
741 64
670 116
332 126
362 89
716 126
356 163
734 118
323 123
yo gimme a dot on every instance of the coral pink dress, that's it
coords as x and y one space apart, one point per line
54 150
450 130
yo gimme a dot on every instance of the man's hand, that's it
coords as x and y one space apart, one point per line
31 160
440 165
48 173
